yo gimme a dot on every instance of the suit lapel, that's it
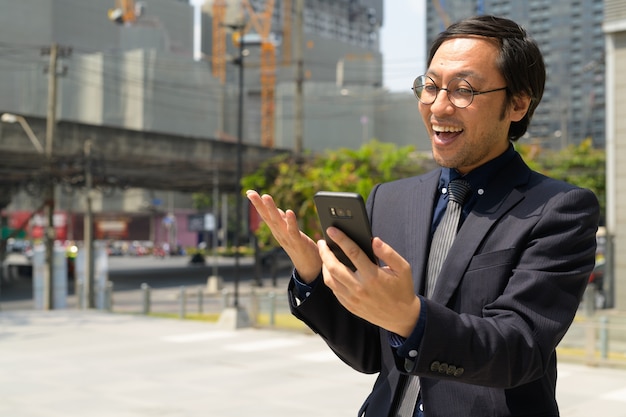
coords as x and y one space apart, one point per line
502 195
421 200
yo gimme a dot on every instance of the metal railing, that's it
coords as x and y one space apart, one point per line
597 337
263 305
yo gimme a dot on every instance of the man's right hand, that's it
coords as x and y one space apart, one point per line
302 250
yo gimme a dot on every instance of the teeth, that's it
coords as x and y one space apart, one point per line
446 129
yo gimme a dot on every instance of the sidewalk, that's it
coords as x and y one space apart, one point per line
90 363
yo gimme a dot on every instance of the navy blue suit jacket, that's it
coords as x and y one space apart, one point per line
503 301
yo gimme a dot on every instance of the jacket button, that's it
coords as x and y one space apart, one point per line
459 372
451 370
443 368
434 367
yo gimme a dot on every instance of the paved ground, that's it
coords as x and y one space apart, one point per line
90 363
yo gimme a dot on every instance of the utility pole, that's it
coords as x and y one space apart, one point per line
89 293
299 43
50 125
54 53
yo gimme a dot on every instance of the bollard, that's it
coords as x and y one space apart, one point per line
145 289
79 293
200 300
108 296
182 301
590 342
274 267
604 337
254 305
225 298
272 297
590 299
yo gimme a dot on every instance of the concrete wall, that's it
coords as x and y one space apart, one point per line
615 29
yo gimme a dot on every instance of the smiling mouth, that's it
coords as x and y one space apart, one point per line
446 135
446 129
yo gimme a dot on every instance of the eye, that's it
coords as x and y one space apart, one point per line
430 88
463 91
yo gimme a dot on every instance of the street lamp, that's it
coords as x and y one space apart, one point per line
49 233
14 118
237 317
239 61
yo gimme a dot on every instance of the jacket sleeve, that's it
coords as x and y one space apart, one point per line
354 340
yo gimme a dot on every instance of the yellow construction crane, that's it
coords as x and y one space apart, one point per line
124 12
218 53
286 38
262 24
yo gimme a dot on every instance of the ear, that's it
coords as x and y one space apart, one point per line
519 107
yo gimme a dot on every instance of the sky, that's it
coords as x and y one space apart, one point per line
403 43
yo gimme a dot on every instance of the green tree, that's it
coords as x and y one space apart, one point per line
581 165
293 182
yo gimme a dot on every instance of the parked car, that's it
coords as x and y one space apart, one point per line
18 261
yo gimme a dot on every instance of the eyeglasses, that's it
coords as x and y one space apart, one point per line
460 92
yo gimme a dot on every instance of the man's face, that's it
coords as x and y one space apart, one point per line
467 138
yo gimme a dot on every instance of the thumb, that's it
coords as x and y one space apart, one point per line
388 256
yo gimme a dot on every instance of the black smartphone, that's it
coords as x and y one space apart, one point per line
345 211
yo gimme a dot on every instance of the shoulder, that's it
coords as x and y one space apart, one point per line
541 183
403 185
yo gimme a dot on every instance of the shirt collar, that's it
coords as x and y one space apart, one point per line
479 177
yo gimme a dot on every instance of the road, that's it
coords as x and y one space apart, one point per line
164 276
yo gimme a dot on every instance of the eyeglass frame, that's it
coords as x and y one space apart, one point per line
471 100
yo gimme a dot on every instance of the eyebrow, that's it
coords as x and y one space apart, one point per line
462 74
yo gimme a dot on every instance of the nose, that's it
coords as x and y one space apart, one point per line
442 105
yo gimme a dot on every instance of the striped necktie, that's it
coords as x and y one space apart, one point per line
458 191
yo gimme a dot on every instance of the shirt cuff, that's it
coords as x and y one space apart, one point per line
408 347
303 290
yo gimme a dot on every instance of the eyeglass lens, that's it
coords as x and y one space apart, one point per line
459 91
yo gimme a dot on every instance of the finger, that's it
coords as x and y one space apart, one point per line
360 260
336 275
328 258
389 257
274 214
255 199
259 204
266 208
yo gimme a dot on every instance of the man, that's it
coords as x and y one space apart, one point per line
479 338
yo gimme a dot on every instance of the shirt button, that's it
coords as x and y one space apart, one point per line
481 191
422 407
413 353
307 293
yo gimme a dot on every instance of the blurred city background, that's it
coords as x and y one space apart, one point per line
127 128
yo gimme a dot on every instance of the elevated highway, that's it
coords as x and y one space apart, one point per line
120 158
